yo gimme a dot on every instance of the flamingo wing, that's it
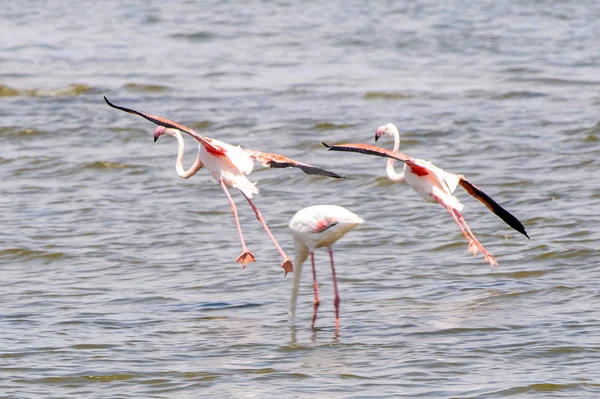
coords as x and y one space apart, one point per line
493 205
270 160
324 224
205 141
368 149
420 170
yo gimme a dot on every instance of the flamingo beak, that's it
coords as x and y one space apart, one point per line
160 130
381 130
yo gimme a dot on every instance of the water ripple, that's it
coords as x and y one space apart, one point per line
117 274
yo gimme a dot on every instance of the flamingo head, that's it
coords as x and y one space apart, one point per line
160 130
389 129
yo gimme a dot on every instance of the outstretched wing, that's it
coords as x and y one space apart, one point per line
493 206
417 169
279 161
421 171
369 150
173 125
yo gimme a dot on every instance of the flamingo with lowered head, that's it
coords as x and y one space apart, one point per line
315 227
434 185
229 166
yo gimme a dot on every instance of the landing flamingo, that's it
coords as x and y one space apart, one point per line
315 227
434 185
229 166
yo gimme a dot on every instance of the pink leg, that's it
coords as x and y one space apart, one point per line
287 263
474 244
316 288
246 256
488 257
336 300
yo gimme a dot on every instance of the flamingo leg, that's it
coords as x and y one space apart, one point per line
336 300
488 257
316 288
287 263
246 256
474 244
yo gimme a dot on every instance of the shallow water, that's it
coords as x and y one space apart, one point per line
119 280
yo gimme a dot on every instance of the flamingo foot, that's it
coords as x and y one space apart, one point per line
245 258
491 259
287 266
473 248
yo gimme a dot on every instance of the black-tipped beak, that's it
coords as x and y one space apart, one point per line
155 138
376 137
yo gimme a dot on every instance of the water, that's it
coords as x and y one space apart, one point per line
118 278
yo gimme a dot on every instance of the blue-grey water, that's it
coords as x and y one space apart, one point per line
118 278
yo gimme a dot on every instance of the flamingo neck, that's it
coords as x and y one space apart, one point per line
184 174
301 252
391 172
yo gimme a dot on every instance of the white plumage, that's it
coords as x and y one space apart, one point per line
434 185
231 169
315 227
228 165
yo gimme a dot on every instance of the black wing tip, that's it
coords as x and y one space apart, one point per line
326 145
511 220
518 226
496 208
312 170
119 107
335 175
330 174
308 169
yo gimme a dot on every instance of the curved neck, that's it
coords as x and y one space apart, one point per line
391 172
185 174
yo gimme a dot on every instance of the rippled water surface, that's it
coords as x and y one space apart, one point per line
119 279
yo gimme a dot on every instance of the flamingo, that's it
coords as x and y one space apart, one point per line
434 185
315 227
229 166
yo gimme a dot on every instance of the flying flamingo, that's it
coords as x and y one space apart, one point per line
434 185
228 165
315 227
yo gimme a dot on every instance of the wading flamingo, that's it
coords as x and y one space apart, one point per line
229 166
315 227
434 185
